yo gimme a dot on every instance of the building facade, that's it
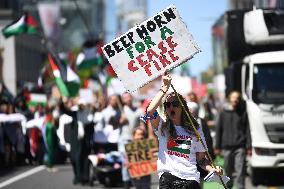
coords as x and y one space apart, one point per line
23 56
249 4
130 13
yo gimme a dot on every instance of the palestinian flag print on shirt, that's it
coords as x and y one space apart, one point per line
181 146
25 25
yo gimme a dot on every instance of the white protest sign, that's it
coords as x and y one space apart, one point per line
87 95
147 50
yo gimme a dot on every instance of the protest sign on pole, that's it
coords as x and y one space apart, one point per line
142 157
87 96
144 52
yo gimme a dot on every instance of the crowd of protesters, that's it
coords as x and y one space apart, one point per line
65 129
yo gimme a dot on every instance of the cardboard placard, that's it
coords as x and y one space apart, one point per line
144 52
142 157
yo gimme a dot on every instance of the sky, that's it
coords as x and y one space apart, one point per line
199 16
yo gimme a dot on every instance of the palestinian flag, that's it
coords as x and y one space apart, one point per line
37 98
91 55
182 146
110 74
88 59
66 79
25 25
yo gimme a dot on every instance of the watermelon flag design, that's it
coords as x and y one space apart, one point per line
66 79
182 146
25 25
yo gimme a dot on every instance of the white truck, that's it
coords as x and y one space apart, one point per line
263 91
250 44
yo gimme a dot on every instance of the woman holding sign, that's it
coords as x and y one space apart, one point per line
179 149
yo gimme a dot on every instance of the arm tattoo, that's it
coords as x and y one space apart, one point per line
203 162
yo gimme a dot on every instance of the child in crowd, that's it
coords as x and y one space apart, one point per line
144 182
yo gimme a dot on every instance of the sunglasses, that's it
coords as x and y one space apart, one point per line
174 103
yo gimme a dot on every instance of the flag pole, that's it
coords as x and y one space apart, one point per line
82 17
197 134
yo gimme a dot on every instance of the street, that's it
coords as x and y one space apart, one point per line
39 178
43 179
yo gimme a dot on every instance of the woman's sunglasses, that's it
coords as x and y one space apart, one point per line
174 103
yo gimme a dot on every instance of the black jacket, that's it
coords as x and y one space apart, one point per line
232 129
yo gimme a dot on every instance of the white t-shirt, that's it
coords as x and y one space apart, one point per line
104 132
178 156
99 135
132 115
111 134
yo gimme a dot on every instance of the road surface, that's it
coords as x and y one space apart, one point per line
38 177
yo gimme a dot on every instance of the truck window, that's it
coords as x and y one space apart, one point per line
268 83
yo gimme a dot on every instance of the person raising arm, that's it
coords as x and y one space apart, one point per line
179 148
156 101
